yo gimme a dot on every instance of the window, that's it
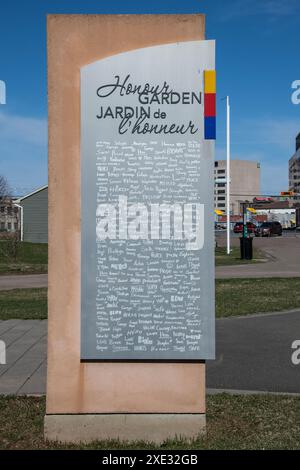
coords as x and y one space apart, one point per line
9 226
2 209
2 225
220 172
216 164
16 210
221 191
9 210
222 198
221 185
16 225
221 205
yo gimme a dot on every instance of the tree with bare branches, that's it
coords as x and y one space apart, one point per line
4 188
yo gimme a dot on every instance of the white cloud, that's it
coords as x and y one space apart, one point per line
20 129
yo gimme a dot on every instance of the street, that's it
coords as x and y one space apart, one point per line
253 354
282 257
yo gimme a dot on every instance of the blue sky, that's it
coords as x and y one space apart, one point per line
257 60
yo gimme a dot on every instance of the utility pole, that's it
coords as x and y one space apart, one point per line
228 172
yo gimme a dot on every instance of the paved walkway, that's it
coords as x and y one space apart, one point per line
255 271
23 281
268 269
25 369
283 260
253 354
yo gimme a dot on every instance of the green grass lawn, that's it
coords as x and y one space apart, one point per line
233 422
233 297
23 303
246 296
26 258
222 259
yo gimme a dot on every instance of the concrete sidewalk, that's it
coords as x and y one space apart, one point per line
25 369
253 354
282 253
257 270
23 281
268 269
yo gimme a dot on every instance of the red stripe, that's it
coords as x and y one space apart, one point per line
209 104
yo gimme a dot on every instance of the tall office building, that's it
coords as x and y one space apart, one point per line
294 170
245 183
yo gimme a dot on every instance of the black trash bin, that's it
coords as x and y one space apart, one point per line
246 248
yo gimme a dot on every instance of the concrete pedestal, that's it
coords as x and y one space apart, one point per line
88 401
155 428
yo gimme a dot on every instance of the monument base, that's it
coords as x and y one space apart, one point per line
155 428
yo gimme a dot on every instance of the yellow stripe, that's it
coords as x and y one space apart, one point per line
209 81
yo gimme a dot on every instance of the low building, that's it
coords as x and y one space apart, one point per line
244 185
256 219
287 217
34 216
276 210
294 170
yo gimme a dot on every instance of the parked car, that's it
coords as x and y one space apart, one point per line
219 226
268 229
238 228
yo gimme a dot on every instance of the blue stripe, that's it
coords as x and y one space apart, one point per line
210 128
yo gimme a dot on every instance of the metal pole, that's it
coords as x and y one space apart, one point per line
228 173
244 221
243 239
22 221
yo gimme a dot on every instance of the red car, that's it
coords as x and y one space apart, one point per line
238 228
